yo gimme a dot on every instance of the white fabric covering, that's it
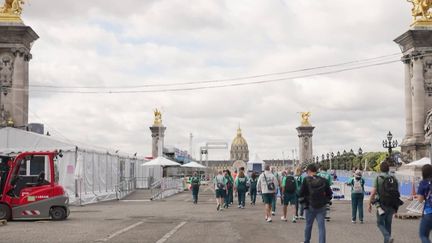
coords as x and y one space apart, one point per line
87 173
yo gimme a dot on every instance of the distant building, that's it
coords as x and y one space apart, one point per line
239 148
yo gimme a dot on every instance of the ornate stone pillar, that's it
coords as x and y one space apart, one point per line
305 134
158 135
416 44
16 40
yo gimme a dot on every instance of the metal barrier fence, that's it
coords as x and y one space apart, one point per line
166 187
406 183
144 182
125 188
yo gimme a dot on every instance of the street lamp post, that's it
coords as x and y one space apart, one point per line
344 159
331 160
338 156
360 153
390 144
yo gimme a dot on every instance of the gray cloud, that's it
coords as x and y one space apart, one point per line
115 43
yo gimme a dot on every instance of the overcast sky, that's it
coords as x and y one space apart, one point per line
134 42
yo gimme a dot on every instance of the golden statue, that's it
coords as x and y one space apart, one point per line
157 118
305 118
421 12
11 11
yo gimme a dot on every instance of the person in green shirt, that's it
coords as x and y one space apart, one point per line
229 198
324 174
195 182
289 194
253 181
240 186
299 181
357 195
386 197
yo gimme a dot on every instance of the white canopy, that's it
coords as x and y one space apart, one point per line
421 162
161 161
414 168
194 164
256 160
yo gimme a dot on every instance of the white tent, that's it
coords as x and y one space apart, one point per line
161 161
88 174
421 162
256 164
194 164
414 168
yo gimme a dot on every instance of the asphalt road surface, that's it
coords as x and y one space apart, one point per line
176 219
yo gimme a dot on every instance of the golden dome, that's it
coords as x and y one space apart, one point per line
239 148
239 140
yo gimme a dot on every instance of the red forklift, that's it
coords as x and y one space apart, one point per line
31 196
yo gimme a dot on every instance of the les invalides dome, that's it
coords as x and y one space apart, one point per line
239 148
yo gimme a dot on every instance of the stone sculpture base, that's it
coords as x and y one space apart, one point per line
305 134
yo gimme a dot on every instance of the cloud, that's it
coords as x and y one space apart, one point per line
125 43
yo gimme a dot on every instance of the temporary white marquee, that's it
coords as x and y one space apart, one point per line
194 165
256 164
414 168
88 174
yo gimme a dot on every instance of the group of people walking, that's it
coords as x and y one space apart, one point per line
309 196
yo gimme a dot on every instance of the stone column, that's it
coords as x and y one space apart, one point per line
305 134
418 99
408 100
415 43
16 41
158 135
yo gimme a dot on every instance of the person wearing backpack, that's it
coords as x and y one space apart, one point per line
289 195
195 183
299 180
357 196
324 174
315 193
240 187
424 194
385 195
229 198
220 189
253 187
267 184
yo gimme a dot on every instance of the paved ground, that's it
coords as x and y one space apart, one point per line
176 219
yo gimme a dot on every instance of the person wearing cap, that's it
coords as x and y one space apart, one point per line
357 195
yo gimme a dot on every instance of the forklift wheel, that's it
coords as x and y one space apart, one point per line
5 212
58 213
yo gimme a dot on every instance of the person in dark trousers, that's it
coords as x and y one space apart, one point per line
253 187
240 187
230 190
386 197
424 194
357 196
315 193
195 182
299 181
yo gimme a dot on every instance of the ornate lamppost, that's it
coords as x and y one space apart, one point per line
338 158
390 144
360 154
344 159
331 160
